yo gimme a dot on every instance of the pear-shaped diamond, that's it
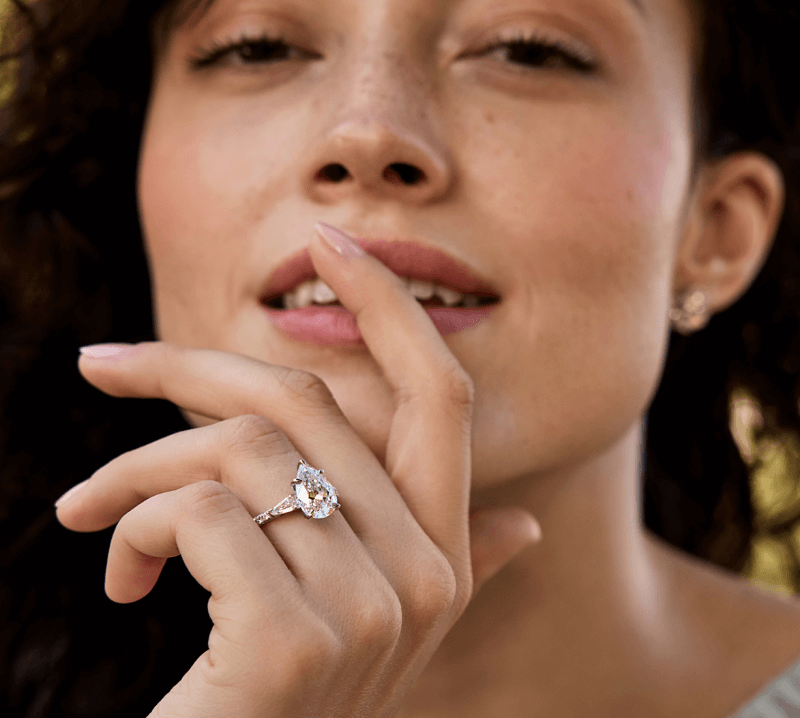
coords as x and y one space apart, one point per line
314 495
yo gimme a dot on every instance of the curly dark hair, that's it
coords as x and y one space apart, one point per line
76 76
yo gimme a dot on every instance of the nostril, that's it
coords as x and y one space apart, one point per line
333 173
402 172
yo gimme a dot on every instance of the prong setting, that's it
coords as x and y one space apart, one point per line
313 495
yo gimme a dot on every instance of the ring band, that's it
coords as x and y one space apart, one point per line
313 495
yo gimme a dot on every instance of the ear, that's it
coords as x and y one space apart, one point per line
732 218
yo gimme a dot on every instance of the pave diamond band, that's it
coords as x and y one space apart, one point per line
313 495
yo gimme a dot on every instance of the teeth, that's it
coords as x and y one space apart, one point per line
449 296
315 291
290 301
312 291
421 289
323 294
304 294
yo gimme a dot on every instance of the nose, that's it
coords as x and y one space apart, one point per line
379 142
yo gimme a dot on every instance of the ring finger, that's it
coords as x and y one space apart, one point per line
252 457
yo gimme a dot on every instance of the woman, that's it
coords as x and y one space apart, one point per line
509 205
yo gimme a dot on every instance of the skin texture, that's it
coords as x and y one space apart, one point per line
573 194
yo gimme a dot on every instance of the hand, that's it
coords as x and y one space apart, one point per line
332 617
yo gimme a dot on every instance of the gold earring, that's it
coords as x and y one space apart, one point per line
690 312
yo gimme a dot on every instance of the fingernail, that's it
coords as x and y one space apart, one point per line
74 490
338 241
101 351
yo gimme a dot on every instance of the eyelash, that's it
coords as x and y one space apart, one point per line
216 52
545 50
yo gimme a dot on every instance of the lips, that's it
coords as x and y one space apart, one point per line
334 325
406 259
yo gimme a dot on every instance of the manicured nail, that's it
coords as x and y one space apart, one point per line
338 241
74 490
101 351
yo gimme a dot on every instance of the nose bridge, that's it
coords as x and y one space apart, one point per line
380 130
383 101
388 77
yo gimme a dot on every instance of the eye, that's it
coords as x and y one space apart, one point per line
537 52
249 51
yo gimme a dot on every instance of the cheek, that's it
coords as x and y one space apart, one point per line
593 236
179 216
594 217
190 177
206 176
223 151
626 198
178 198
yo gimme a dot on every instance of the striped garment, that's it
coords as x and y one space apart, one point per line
779 699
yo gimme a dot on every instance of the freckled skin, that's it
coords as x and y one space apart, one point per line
582 208
569 193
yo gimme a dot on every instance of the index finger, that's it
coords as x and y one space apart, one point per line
428 453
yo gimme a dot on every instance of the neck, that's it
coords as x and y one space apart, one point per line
587 609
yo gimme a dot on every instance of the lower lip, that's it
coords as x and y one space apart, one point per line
335 326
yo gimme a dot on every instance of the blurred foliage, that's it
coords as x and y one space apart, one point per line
775 491
7 69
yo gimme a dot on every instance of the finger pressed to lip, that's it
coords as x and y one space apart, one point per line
428 452
386 312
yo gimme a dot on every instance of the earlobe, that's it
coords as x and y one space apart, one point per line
731 227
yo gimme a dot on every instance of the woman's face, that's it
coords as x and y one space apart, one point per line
563 182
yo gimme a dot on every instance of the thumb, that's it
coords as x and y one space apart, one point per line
496 536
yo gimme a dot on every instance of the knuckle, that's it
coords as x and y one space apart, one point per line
253 435
452 393
458 388
313 651
379 621
433 592
206 500
307 389
121 530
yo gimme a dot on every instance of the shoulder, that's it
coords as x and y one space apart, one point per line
768 645
755 634
726 601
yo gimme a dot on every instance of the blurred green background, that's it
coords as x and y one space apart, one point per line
775 491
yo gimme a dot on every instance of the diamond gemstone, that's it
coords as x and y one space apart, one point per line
314 495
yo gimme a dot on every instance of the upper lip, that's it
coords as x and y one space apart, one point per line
405 258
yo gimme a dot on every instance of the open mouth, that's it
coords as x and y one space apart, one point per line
302 307
316 293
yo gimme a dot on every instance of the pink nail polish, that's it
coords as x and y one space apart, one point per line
338 241
74 490
101 351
